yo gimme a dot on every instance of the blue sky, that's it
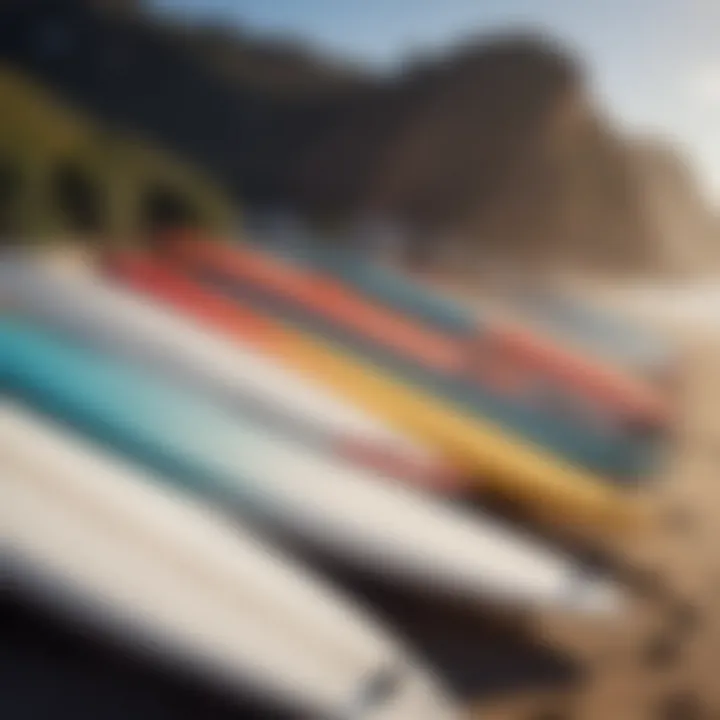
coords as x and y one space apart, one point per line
655 62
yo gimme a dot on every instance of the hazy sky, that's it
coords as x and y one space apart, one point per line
657 62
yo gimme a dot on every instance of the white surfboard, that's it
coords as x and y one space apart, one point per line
162 572
355 516
89 308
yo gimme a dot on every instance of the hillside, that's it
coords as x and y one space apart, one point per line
490 154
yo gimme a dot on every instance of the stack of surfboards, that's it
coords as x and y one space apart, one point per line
134 424
278 483
478 381
529 475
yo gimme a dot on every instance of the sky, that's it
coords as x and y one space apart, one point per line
654 63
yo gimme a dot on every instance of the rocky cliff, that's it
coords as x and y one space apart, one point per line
491 153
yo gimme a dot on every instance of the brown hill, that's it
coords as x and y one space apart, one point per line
491 153
496 155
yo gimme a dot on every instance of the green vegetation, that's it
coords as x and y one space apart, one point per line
63 174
